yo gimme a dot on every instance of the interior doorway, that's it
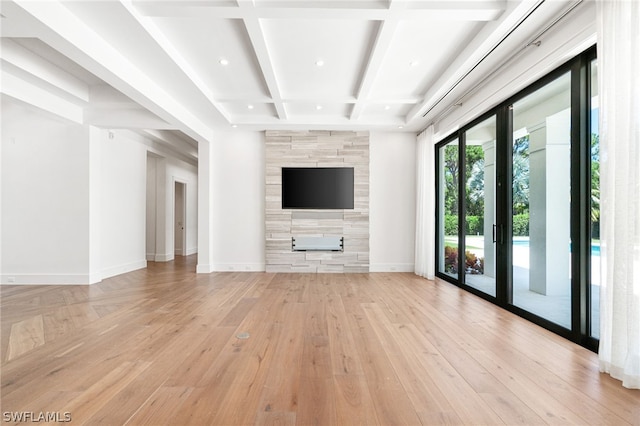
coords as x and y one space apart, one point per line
180 207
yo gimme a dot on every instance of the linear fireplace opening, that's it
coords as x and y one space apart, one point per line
317 243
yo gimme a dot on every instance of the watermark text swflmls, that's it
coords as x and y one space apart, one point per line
36 416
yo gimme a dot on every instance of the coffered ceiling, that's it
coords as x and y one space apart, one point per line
192 67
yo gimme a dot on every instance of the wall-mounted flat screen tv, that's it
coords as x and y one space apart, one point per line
317 187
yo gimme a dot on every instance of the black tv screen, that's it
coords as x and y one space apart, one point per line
317 188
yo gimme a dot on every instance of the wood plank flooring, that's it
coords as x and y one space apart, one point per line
164 345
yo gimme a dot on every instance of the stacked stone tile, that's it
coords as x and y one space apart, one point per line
317 149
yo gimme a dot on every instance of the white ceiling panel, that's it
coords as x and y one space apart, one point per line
295 46
385 110
243 112
320 109
221 52
421 52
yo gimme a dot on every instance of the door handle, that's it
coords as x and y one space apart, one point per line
497 228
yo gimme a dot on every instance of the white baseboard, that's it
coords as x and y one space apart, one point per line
204 268
48 279
95 278
121 269
187 252
392 267
152 257
239 267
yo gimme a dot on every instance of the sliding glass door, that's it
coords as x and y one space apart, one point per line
479 206
518 203
541 201
466 207
448 208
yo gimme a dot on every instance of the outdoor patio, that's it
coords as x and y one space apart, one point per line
556 308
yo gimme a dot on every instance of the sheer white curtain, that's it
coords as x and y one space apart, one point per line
425 205
619 89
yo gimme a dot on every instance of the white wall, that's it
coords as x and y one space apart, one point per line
237 165
45 198
238 230
138 203
74 199
392 201
123 207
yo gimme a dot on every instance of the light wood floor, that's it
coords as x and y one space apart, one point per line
167 346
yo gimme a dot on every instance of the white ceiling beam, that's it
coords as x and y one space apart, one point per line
352 10
244 100
321 99
397 100
106 96
124 118
256 35
174 54
381 45
378 52
29 93
48 74
72 37
300 121
334 100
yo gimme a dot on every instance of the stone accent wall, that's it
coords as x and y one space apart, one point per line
317 149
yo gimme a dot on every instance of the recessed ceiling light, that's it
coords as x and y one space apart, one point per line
413 63
223 62
400 127
318 107
387 107
234 125
250 106
319 63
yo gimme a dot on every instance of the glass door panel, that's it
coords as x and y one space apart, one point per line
448 207
595 206
479 215
541 245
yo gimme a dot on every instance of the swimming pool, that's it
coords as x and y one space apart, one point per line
595 248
